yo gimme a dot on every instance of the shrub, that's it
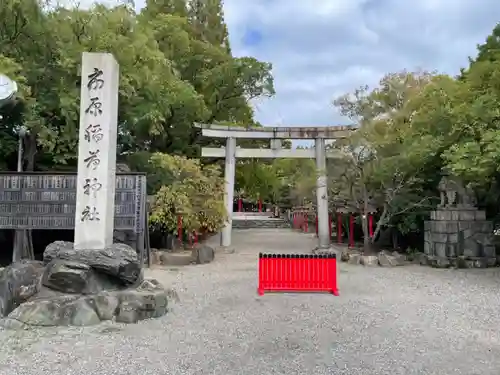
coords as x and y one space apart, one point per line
195 193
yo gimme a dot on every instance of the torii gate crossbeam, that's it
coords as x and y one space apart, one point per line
275 135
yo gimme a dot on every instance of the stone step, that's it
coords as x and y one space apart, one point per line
262 223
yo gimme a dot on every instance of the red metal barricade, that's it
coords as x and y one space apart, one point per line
297 273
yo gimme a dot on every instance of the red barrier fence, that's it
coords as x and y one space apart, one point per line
297 273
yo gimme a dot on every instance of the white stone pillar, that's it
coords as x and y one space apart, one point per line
230 169
322 195
95 197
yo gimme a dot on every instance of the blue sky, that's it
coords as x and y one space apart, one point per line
321 49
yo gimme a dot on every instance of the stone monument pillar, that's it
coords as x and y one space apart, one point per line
95 198
458 234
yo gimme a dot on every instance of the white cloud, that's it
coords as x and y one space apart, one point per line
323 48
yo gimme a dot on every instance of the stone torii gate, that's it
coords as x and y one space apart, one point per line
275 135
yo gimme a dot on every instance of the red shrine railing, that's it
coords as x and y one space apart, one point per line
302 217
297 273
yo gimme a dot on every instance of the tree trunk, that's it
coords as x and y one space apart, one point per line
395 242
380 223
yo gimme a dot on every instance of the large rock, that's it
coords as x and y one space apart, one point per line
118 260
351 256
391 260
149 300
368 260
183 258
58 311
18 283
74 277
203 254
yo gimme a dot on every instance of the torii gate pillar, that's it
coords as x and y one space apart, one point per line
322 195
229 173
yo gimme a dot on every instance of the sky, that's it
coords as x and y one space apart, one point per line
321 49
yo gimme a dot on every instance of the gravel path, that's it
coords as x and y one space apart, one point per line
408 320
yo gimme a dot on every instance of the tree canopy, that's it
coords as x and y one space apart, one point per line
176 69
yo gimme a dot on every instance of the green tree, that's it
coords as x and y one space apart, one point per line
207 20
188 190
168 77
490 49
381 163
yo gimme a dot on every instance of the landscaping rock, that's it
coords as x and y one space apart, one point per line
149 300
60 311
438 262
118 260
182 258
390 260
354 258
106 305
155 257
18 282
369 260
203 254
74 277
79 288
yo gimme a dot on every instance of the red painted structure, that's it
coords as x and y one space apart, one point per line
339 227
329 225
297 273
351 230
370 224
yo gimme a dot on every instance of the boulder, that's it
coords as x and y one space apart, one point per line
148 300
18 282
390 260
59 311
155 257
74 277
182 258
354 258
345 255
368 260
350 256
106 305
438 262
118 260
203 254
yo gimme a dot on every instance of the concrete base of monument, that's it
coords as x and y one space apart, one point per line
79 288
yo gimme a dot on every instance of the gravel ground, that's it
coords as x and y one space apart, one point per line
407 320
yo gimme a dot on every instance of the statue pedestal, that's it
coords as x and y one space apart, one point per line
459 236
